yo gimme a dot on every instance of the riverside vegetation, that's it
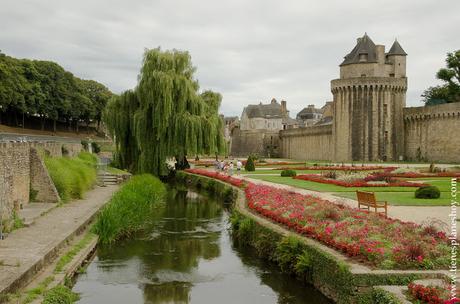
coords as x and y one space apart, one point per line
131 208
72 176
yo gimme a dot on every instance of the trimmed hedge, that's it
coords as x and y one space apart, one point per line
430 192
288 173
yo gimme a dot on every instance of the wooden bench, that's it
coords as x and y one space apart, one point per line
368 201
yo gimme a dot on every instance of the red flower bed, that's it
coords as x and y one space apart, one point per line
358 183
431 295
341 168
383 242
371 237
223 177
418 175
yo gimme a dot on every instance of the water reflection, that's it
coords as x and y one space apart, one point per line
187 257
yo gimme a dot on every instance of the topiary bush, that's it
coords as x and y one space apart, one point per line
250 166
290 173
430 192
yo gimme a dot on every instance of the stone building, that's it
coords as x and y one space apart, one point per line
258 130
309 116
369 98
368 120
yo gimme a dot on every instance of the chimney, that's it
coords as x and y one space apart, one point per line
380 52
311 106
283 106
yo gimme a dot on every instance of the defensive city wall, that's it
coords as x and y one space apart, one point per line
312 143
23 174
430 134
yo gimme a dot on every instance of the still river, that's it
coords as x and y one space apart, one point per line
187 256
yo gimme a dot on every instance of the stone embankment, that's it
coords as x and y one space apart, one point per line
29 250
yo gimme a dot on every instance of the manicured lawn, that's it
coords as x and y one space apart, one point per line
394 195
404 198
262 171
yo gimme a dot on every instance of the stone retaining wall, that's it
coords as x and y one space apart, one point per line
22 170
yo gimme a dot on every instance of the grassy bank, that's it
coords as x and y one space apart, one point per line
131 208
72 176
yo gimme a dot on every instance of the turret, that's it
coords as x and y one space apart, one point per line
396 56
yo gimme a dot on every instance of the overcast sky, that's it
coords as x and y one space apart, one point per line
249 51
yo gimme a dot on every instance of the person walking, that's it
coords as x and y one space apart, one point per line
239 165
230 169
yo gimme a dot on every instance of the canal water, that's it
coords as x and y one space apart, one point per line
187 256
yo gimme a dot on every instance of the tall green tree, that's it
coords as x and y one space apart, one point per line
98 94
450 75
34 88
165 116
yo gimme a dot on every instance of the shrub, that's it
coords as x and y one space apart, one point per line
130 208
60 295
249 166
95 147
330 174
72 176
84 143
290 173
430 192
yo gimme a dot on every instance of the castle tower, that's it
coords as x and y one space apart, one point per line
369 98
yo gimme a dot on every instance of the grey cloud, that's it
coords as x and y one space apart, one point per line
249 51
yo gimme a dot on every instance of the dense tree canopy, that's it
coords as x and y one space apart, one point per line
165 116
44 89
450 75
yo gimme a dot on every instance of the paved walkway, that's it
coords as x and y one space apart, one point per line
416 214
27 250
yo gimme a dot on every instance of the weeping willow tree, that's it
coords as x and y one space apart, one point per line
164 116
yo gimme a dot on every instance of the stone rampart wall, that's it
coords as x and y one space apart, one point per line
432 133
311 143
22 169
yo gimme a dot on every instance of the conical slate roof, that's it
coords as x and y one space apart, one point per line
365 45
396 49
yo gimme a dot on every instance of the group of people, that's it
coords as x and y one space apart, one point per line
228 167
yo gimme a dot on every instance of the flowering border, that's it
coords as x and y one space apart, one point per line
345 229
430 294
359 183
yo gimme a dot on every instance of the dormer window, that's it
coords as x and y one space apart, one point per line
392 75
363 75
362 57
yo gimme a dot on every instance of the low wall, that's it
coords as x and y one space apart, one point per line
22 172
331 272
310 143
431 133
